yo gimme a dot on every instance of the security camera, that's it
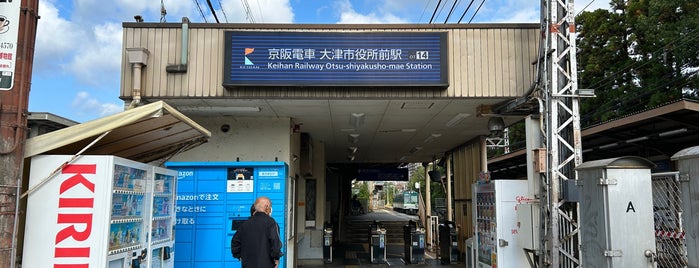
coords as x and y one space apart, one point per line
496 125
225 128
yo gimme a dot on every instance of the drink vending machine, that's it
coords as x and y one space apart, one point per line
495 223
99 211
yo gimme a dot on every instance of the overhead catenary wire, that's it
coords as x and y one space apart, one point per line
583 9
427 3
465 11
474 13
213 11
435 11
262 19
201 12
451 11
222 11
248 13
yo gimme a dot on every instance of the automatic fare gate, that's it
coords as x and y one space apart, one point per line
213 199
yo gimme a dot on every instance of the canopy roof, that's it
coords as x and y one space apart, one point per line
147 133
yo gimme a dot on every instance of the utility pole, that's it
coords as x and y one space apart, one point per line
560 95
17 61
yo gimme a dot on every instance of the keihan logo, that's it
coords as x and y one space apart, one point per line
248 51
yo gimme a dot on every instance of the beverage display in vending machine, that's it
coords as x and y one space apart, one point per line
495 223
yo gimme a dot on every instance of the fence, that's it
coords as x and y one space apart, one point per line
670 242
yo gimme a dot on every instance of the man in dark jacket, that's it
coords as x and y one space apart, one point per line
257 242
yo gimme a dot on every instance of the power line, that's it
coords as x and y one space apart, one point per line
213 11
262 19
441 9
201 12
222 11
248 13
466 10
450 11
435 11
478 9
427 3
583 9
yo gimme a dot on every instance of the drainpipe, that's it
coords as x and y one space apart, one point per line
138 58
182 67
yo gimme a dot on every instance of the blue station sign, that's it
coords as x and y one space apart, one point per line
382 174
335 59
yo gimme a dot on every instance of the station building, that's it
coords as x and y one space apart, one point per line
327 101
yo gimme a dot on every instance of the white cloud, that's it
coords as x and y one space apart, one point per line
84 104
262 11
504 11
494 11
349 15
520 15
91 53
99 59
56 39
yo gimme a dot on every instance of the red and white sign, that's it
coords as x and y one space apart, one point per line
64 216
669 234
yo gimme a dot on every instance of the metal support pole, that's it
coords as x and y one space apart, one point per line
560 241
450 217
13 128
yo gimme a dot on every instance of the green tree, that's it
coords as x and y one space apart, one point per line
389 188
436 188
637 56
664 36
603 64
363 191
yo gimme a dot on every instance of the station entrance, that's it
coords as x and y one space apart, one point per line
328 100
381 222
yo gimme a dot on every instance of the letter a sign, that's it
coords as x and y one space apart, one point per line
630 207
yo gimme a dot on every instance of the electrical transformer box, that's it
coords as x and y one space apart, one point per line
616 213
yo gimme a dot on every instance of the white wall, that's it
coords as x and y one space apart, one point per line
252 139
310 238
263 139
249 139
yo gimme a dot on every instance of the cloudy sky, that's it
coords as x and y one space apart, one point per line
78 43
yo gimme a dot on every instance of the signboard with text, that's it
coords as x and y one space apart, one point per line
9 31
335 59
382 174
240 179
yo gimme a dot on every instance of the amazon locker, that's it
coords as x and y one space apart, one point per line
213 199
